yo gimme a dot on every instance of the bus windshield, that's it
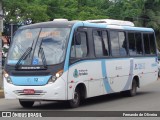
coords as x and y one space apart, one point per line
51 40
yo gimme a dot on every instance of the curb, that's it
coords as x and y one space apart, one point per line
1 94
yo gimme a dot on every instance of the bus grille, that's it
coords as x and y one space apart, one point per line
37 93
30 73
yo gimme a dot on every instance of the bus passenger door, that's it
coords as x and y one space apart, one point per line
78 67
82 69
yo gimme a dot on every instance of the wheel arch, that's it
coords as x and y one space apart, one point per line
136 78
83 89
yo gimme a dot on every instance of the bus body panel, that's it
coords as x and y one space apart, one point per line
106 76
90 72
146 69
118 71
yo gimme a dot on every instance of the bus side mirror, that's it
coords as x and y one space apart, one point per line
78 38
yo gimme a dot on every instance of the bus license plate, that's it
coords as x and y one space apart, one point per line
29 91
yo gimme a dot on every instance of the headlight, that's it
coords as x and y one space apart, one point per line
6 75
54 77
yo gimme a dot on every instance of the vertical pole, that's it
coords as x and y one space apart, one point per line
1 30
11 32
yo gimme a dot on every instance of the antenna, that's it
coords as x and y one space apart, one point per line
112 22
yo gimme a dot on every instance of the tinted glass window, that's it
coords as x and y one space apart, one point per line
105 43
138 38
79 47
118 43
122 44
114 43
98 43
152 44
132 44
146 43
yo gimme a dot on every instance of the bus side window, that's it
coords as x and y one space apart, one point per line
132 44
114 43
146 43
122 44
106 43
118 43
152 44
79 49
138 38
98 43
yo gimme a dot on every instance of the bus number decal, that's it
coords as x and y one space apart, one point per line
139 66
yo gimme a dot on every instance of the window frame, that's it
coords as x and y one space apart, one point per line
91 45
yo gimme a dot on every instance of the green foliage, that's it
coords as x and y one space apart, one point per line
142 12
20 11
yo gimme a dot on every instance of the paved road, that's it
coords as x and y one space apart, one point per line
147 99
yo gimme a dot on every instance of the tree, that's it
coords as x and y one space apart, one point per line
142 12
24 11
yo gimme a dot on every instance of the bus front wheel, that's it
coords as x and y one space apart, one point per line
76 99
26 104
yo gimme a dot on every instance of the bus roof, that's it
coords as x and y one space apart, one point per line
69 24
112 22
49 24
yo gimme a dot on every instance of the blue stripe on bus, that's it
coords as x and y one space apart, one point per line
105 78
109 59
66 64
103 25
138 29
30 80
130 77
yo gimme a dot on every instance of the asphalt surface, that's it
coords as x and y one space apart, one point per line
147 99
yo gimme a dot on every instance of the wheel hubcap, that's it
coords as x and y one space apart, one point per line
134 88
76 97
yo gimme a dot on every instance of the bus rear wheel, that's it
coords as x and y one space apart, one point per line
75 102
26 104
158 72
133 91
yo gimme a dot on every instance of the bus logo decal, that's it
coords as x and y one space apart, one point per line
75 74
78 73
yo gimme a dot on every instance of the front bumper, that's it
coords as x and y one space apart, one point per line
53 91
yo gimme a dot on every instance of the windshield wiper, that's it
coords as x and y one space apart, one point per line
41 51
43 57
23 57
